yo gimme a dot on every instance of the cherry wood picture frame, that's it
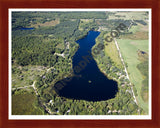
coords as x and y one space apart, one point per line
4 71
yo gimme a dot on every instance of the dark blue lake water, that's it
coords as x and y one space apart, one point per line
26 28
88 83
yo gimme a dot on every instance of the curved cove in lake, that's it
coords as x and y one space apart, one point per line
88 83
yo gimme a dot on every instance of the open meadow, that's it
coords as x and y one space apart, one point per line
129 50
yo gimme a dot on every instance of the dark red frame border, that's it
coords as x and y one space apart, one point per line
6 4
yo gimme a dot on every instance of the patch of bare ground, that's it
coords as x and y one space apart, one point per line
134 43
145 96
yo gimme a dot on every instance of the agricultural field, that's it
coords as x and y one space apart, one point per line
129 15
134 47
130 45
129 50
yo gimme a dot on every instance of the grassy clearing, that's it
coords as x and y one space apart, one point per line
111 50
23 75
139 32
60 46
129 52
25 104
134 29
49 23
84 22
136 36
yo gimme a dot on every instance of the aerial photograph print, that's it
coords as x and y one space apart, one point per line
81 62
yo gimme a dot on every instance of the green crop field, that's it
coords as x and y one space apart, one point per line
129 52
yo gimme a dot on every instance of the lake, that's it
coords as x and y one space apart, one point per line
88 82
26 28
